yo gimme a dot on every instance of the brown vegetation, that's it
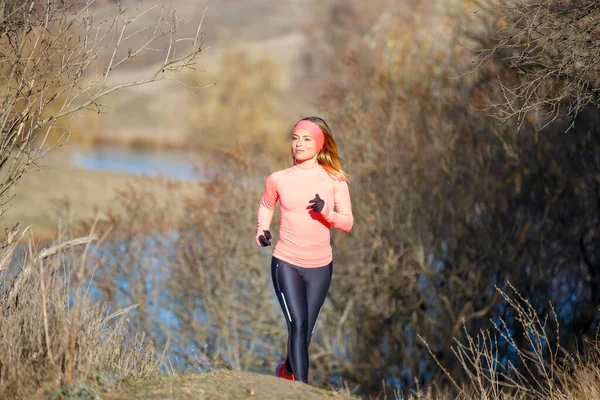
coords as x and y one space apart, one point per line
241 104
55 334
222 385
453 203
553 49
50 68
472 268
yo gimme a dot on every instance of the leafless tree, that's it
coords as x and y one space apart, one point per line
449 203
553 48
57 58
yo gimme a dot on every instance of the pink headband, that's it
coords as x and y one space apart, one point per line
314 130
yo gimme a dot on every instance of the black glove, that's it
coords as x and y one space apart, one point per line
265 239
318 203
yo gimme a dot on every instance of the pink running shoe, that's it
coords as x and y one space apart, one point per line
281 373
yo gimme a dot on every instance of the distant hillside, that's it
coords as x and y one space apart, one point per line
159 112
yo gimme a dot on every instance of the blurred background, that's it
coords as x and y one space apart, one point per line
471 134
248 82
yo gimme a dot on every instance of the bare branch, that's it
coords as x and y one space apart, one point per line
555 48
46 71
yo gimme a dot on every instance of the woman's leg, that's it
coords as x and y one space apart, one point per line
317 285
291 292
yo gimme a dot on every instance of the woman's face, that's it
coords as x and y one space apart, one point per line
304 146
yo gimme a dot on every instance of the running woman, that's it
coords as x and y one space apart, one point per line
313 196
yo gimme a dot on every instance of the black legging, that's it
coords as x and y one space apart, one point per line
301 293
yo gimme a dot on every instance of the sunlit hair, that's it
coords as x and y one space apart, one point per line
328 157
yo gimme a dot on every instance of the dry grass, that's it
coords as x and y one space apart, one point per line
53 332
59 191
538 368
221 385
201 272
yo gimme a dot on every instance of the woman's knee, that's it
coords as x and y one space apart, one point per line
299 327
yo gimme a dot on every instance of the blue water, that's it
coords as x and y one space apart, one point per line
163 163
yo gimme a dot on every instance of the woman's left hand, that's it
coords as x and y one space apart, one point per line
317 203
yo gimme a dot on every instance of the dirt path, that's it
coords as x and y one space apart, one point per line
220 386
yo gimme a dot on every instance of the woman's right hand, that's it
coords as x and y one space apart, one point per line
264 240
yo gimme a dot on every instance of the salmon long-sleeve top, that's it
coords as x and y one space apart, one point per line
304 235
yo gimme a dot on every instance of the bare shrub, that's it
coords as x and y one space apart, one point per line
56 60
220 276
553 48
51 60
242 105
200 283
450 203
54 333
544 371
134 262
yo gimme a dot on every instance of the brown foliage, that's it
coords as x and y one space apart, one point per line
240 104
54 333
553 47
449 203
48 51
202 271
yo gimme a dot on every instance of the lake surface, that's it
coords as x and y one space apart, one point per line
174 164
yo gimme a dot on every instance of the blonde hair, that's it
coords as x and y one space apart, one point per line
328 157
